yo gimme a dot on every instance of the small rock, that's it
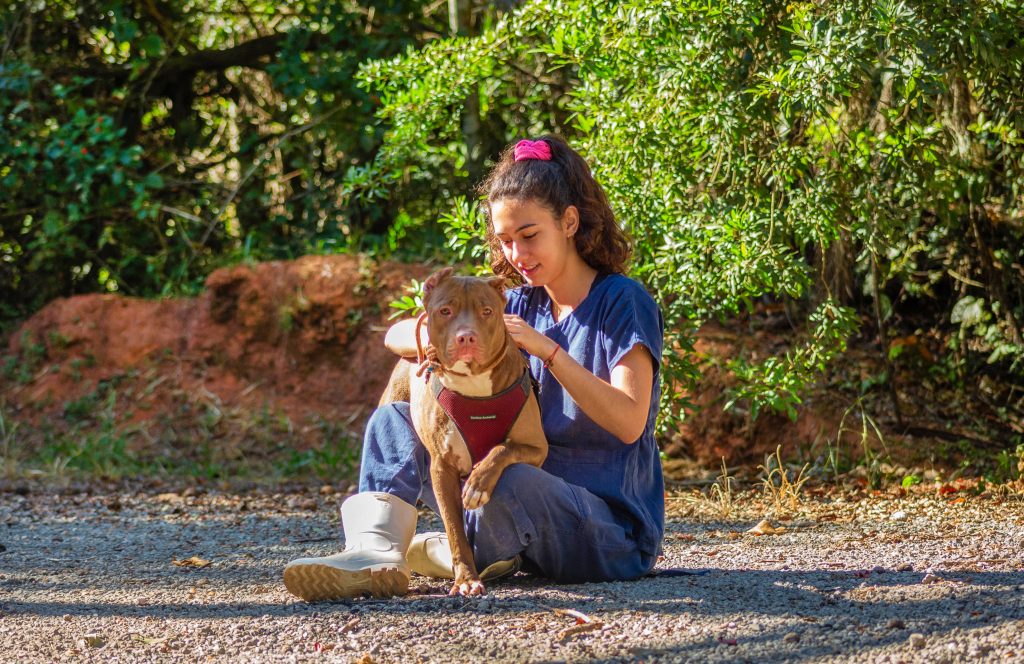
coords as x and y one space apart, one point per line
930 578
326 490
896 623
92 640
298 503
898 516
791 637
905 567
168 497
917 641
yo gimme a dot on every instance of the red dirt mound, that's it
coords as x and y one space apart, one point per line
283 357
297 342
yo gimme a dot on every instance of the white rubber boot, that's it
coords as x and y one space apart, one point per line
430 555
378 530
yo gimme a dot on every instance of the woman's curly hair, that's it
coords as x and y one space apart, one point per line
556 184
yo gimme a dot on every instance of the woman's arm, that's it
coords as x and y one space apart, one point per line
401 338
619 406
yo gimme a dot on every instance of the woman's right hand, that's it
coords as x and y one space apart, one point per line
527 338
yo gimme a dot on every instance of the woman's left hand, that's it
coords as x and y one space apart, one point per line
527 338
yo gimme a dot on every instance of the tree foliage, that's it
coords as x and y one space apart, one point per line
840 155
144 143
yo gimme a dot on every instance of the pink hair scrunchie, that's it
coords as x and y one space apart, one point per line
527 149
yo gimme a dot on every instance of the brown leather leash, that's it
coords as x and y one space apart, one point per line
420 354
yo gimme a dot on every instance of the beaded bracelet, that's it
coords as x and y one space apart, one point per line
547 362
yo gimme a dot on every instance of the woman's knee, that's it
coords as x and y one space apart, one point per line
390 432
389 414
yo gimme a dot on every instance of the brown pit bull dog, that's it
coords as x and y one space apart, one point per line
474 409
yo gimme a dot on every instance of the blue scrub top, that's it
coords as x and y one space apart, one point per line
617 314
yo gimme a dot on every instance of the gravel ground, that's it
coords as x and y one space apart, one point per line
882 578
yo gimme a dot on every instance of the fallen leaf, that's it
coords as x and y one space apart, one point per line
148 640
579 629
766 528
194 561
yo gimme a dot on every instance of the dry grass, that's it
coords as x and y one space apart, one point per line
7 457
781 492
723 494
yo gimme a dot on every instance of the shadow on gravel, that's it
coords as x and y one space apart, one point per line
814 597
789 615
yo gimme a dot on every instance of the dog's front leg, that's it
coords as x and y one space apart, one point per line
445 478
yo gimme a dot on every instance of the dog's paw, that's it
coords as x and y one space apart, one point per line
468 588
478 487
472 498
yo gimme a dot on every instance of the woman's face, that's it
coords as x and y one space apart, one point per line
535 242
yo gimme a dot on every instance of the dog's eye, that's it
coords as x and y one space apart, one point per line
488 311
445 311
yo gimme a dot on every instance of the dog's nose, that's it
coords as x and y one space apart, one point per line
465 338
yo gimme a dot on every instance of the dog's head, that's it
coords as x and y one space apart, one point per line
465 317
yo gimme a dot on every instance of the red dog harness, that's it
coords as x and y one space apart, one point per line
483 421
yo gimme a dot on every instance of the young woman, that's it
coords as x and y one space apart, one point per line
595 511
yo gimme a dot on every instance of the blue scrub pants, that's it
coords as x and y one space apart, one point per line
563 531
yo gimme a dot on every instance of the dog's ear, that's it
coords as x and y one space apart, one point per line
433 280
498 284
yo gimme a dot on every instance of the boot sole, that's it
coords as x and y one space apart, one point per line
316 583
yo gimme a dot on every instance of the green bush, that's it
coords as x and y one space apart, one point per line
837 155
